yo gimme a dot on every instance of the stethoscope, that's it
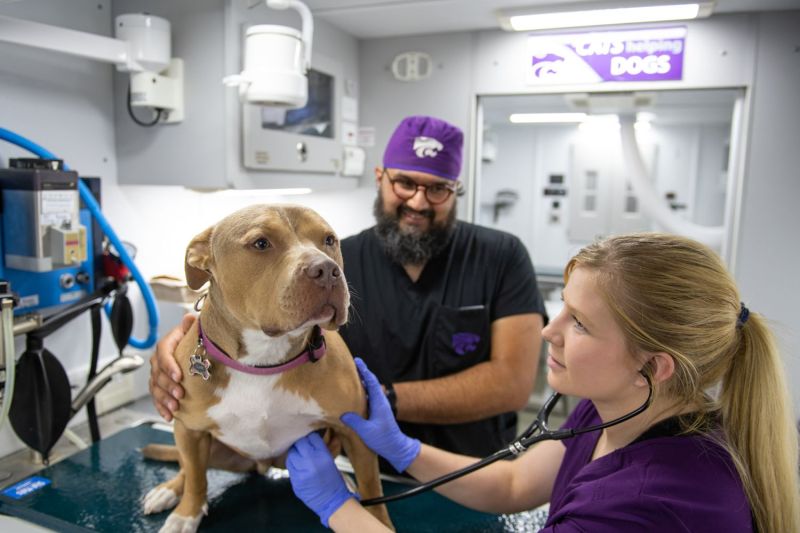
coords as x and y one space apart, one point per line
536 432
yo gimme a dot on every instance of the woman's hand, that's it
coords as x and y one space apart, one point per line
380 431
315 478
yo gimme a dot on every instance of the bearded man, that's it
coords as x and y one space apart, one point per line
447 314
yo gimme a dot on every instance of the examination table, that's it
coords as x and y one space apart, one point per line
100 489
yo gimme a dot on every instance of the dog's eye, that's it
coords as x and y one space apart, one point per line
330 240
261 244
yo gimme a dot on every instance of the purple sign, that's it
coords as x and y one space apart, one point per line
597 57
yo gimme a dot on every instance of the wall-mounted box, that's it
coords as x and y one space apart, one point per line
221 143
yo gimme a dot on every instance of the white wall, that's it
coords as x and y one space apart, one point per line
526 156
690 160
513 169
710 191
768 256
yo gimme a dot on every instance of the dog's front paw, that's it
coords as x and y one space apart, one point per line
183 524
159 499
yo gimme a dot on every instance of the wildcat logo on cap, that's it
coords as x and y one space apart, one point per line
425 144
427 147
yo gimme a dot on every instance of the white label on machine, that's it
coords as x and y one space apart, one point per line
57 208
28 301
71 296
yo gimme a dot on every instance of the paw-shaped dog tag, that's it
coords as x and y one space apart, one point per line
198 366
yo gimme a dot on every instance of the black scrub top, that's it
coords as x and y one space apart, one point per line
440 324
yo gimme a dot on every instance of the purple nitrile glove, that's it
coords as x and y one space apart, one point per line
314 477
380 431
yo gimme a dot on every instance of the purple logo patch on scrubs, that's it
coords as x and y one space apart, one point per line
465 342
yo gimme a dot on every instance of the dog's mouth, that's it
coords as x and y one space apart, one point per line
327 314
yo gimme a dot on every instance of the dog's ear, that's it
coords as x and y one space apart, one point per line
198 260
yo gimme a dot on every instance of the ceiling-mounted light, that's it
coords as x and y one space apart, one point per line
576 15
276 61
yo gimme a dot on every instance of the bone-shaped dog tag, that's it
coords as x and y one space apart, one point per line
198 366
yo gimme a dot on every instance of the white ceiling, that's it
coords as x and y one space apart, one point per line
367 19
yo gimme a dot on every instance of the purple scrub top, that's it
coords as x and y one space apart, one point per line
662 483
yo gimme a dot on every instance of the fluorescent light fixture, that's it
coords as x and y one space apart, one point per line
602 119
585 121
547 118
645 116
579 16
599 124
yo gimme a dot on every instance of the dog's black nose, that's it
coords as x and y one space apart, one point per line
324 272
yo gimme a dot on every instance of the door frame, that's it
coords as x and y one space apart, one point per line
737 157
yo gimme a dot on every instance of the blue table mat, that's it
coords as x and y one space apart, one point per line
100 489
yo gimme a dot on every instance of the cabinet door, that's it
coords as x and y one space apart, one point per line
603 201
625 211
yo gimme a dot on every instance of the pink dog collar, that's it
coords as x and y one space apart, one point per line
313 352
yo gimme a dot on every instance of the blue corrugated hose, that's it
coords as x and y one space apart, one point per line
94 208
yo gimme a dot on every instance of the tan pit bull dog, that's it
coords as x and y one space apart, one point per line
257 373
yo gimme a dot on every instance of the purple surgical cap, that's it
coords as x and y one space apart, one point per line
425 144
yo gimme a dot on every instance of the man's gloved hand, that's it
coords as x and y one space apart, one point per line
314 477
380 431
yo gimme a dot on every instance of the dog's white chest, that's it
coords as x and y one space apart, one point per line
260 419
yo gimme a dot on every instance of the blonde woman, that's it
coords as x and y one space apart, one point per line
715 451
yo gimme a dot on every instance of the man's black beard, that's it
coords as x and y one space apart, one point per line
411 248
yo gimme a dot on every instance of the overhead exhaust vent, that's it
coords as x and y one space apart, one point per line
609 103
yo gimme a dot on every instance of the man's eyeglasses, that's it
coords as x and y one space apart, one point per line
436 193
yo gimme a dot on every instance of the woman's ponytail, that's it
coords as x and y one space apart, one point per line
759 428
